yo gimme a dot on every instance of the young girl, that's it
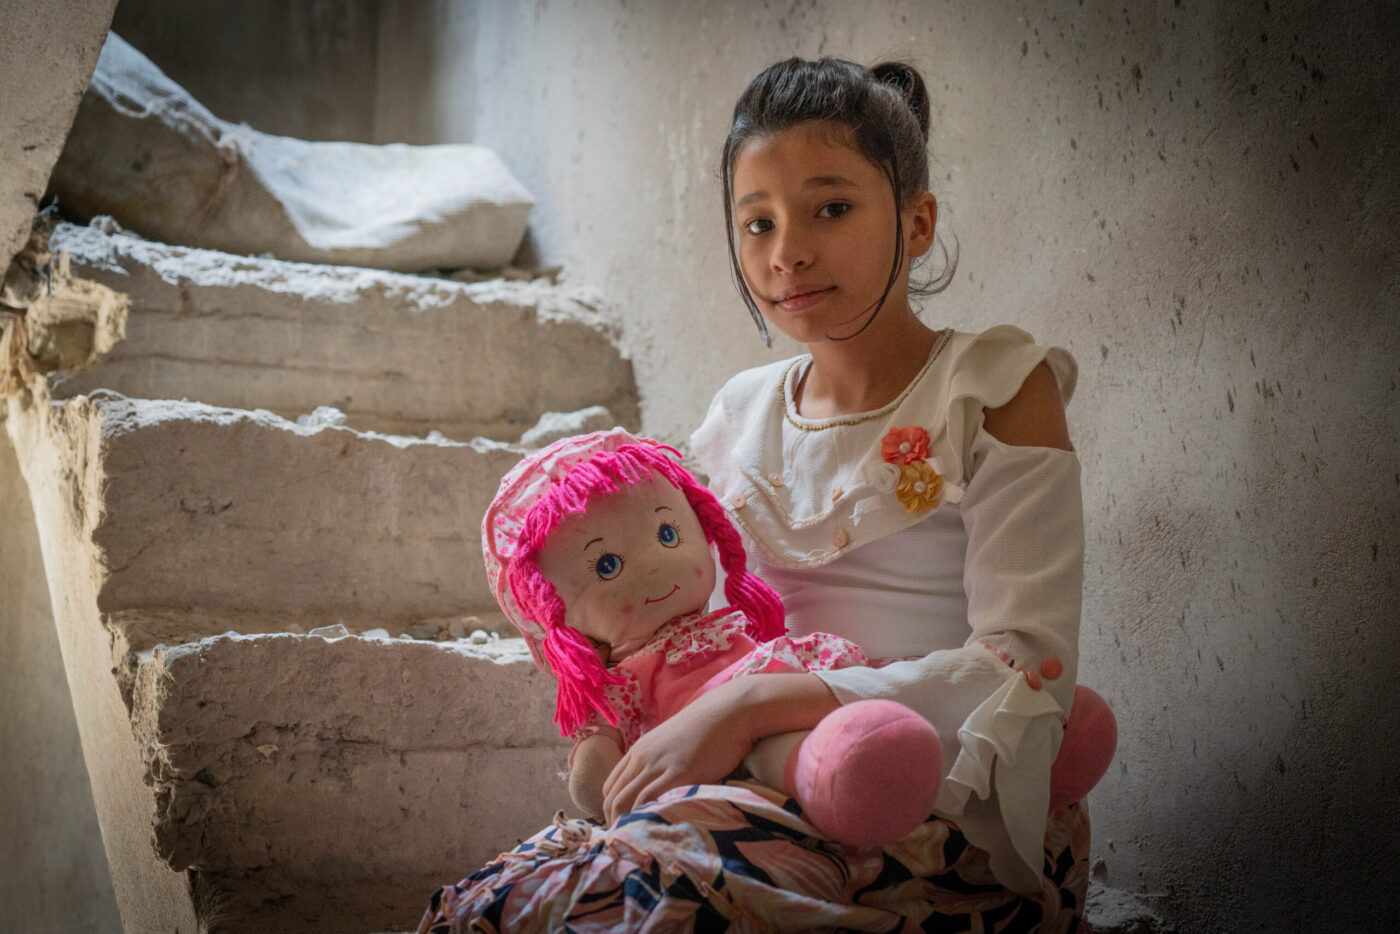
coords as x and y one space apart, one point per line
909 488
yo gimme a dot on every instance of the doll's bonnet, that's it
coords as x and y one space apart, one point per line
521 488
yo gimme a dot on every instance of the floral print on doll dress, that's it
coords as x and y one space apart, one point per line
694 653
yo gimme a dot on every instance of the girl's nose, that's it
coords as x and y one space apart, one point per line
791 251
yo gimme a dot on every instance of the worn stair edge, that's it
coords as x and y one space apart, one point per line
397 353
369 528
342 779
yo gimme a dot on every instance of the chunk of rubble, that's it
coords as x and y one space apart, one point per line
144 151
555 425
51 320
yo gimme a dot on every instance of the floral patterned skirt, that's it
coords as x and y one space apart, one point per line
738 857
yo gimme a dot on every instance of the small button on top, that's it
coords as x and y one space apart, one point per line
739 500
775 478
1052 668
840 539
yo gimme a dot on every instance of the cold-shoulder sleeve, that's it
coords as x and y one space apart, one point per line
1023 575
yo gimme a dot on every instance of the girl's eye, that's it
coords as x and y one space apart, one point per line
834 209
668 536
758 225
607 566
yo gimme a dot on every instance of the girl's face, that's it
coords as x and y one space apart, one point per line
634 561
816 232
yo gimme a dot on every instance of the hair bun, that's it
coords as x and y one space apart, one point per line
909 83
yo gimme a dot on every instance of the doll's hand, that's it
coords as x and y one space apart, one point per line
593 760
703 742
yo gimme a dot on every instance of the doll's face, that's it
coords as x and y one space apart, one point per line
634 561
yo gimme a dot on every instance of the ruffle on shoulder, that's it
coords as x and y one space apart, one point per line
987 371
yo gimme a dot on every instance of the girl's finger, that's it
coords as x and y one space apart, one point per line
628 795
655 789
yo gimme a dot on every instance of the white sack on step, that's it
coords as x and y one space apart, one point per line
146 152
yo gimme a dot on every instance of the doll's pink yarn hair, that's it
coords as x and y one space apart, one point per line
581 676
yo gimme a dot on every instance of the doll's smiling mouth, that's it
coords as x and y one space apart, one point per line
674 588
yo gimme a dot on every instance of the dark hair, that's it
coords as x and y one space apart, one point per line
885 111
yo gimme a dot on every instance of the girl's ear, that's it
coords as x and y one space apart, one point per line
920 219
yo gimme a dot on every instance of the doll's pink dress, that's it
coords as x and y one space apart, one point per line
693 654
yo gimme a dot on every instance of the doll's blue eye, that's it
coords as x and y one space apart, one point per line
607 566
668 536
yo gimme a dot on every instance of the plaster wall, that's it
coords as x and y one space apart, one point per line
303 68
50 843
1198 199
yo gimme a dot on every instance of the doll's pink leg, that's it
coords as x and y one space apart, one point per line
868 774
1091 736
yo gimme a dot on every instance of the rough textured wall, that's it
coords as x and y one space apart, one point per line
1198 199
43 73
50 845
303 68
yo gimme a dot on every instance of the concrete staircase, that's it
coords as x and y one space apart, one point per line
294 701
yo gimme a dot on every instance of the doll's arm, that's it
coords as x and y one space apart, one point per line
593 759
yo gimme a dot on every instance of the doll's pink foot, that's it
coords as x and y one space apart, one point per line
868 774
1091 736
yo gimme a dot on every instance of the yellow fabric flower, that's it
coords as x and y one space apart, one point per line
919 487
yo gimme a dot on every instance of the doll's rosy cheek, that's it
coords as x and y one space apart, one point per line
625 609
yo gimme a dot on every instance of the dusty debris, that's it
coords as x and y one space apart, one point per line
555 425
511 273
1114 911
27 279
51 319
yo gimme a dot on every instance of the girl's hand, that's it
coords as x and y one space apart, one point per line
701 743
708 739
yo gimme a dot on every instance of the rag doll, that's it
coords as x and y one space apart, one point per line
601 550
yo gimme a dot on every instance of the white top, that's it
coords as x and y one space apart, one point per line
998 560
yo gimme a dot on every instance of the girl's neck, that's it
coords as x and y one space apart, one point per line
866 372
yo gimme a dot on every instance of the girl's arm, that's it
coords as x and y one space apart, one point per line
592 759
710 737
1024 577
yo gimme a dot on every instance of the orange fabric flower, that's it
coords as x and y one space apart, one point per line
919 487
905 445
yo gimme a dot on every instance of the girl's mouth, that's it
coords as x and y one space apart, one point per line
801 297
674 588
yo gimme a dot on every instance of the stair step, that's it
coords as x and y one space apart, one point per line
249 774
195 507
397 353
337 782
